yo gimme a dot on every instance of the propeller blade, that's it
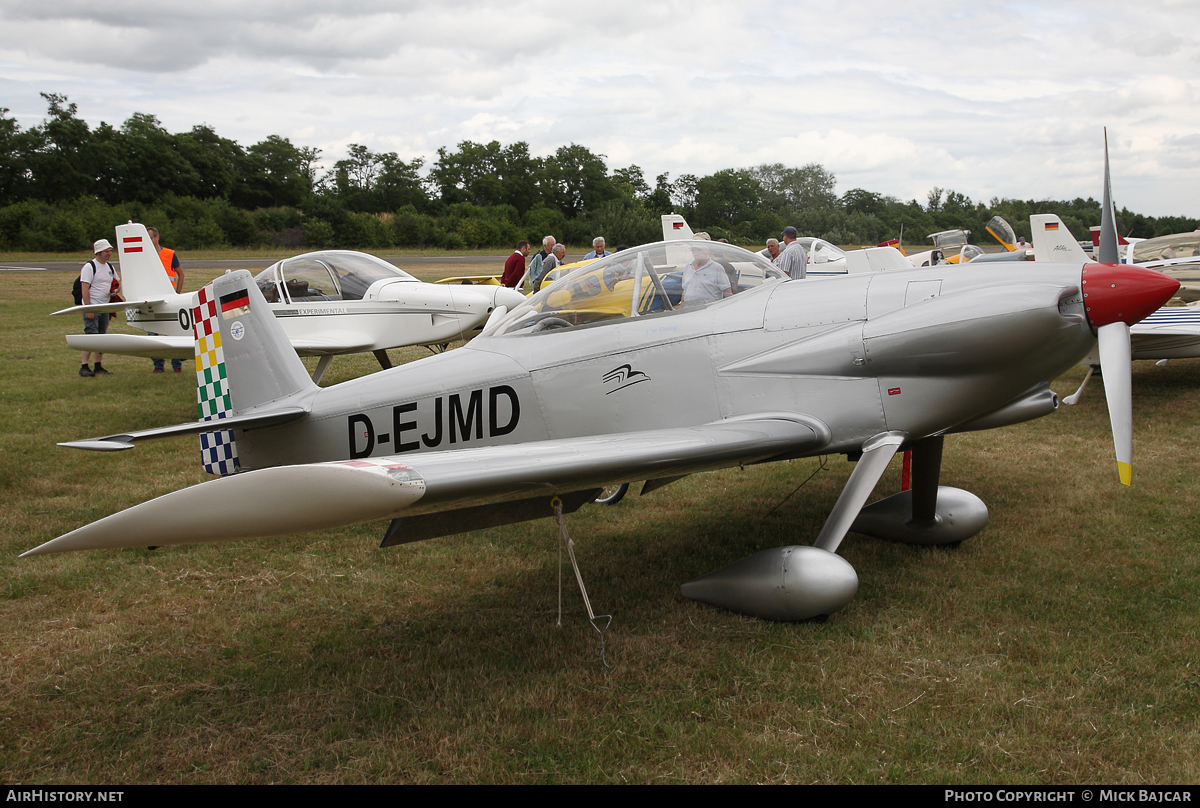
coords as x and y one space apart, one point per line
1108 221
1115 363
1115 297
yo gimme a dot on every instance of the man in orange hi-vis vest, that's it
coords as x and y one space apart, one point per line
170 262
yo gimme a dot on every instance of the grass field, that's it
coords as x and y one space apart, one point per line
1058 646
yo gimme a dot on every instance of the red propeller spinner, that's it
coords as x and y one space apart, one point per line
1119 293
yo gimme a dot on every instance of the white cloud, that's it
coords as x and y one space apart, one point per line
1004 99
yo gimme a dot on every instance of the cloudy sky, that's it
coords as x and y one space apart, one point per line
991 99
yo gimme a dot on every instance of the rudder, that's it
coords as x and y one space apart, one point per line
142 273
244 362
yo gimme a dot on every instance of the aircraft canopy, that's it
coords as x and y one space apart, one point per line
821 251
642 281
325 275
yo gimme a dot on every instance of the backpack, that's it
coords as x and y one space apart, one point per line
77 287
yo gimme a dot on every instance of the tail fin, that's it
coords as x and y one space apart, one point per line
1052 241
675 227
244 362
142 274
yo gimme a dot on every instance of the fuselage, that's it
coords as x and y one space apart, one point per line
392 315
922 352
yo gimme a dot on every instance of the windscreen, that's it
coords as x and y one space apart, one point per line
326 275
652 279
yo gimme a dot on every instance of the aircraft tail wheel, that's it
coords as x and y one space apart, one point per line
612 494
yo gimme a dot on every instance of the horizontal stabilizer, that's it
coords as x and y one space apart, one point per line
109 307
126 440
257 504
154 347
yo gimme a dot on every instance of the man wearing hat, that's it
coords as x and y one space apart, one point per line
794 258
98 281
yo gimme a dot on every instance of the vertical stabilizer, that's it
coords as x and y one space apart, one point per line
1052 241
675 227
244 362
142 273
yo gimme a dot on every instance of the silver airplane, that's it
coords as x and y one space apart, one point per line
329 303
648 365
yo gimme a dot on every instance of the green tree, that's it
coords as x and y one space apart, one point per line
658 201
399 183
858 200
683 194
488 174
727 198
220 163
151 164
788 191
582 180
279 173
14 173
631 183
58 159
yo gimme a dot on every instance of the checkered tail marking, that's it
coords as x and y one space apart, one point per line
218 450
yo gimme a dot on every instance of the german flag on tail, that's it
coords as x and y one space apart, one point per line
235 304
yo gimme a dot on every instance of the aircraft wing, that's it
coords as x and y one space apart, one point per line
331 342
1181 321
1172 332
438 493
134 345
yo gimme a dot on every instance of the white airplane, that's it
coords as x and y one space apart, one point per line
824 259
949 246
330 302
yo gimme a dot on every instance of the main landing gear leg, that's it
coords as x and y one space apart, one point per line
928 513
801 583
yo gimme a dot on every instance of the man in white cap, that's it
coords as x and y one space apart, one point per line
98 281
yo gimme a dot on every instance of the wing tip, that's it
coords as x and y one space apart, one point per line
100 444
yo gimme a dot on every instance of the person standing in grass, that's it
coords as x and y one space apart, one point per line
557 256
794 259
170 262
98 281
514 267
536 263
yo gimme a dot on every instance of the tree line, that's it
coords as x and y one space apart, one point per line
63 184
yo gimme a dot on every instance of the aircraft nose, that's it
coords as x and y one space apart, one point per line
1115 293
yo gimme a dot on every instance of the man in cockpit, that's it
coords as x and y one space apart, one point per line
704 280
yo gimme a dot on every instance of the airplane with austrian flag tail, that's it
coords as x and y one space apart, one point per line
329 303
